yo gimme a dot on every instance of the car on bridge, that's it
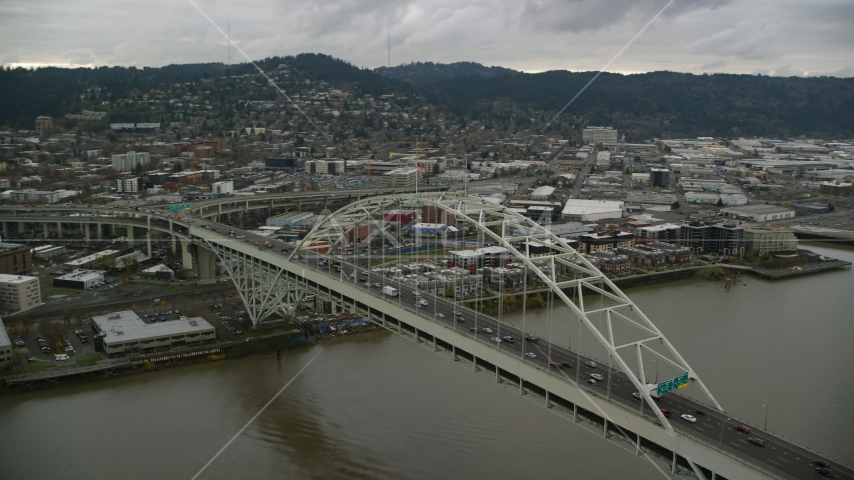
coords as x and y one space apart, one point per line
756 441
531 355
440 315
509 339
742 428
591 364
555 365
532 339
597 376
496 339
590 381
487 330
666 413
688 418
824 471
566 364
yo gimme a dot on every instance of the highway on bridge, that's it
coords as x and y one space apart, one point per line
712 427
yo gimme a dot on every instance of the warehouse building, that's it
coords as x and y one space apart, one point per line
123 333
159 272
82 279
91 259
758 213
288 219
587 211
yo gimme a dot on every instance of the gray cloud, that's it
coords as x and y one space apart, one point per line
799 37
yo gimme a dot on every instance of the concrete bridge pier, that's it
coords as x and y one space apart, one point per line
86 234
131 239
240 217
174 243
22 228
5 230
148 237
186 256
99 229
206 260
58 229
46 231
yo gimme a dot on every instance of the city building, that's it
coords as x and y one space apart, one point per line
124 162
631 147
586 211
659 177
19 293
599 242
402 216
29 195
288 219
761 239
542 193
431 214
15 259
713 235
123 333
610 262
44 125
80 278
286 164
223 188
5 348
758 213
128 185
597 135
403 177
324 167
472 260
47 251
667 232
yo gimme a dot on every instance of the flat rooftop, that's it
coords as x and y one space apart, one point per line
127 326
755 209
4 337
6 278
583 207
91 258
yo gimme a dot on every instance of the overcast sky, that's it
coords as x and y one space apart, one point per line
777 37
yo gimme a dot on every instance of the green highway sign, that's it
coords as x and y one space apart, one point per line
185 206
669 385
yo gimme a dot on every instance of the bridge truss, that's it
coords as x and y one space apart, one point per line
266 290
578 292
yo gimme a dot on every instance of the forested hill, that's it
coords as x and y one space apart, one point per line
422 74
26 94
661 104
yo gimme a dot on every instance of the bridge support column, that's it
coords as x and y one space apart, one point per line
548 404
206 260
58 229
638 449
434 344
417 340
5 229
521 387
98 230
575 413
454 353
21 228
46 231
673 465
174 244
86 233
131 240
148 237
604 428
186 256
473 363
240 216
497 377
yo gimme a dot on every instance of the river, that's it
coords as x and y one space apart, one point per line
376 406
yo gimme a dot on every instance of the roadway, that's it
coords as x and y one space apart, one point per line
714 428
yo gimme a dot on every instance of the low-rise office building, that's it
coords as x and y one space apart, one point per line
91 259
15 259
762 240
123 333
5 348
19 292
603 242
586 211
759 213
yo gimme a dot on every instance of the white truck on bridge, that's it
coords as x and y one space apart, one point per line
390 291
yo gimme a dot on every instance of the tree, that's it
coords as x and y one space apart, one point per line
66 318
675 205
720 202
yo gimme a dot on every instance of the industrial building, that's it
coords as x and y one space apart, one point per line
82 279
402 216
758 213
48 251
158 272
19 293
288 219
91 259
761 240
128 260
325 167
587 211
223 188
429 228
123 333
542 193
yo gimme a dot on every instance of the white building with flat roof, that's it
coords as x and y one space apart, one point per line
577 210
596 135
542 193
5 348
759 213
90 259
223 188
123 162
123 333
19 292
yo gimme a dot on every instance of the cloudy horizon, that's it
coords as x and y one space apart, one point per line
783 37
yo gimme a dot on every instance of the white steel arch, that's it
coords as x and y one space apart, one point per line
617 324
